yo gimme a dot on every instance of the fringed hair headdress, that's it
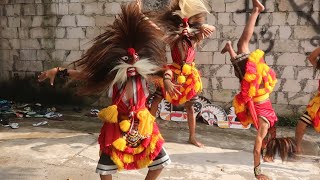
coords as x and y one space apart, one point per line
130 31
194 11
284 147
188 8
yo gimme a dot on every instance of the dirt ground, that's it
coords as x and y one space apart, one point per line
68 149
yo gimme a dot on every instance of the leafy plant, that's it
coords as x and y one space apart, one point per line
288 121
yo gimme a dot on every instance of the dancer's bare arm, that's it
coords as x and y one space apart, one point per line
52 73
313 56
261 134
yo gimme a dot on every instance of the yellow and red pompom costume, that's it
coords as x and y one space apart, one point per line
189 80
130 135
313 110
122 59
185 73
257 84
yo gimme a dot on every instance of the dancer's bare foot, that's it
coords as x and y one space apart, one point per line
298 150
257 4
227 47
262 177
267 159
195 142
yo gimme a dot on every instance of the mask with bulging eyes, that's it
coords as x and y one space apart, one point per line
125 58
131 59
188 29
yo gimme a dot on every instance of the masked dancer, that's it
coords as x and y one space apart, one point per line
184 25
122 60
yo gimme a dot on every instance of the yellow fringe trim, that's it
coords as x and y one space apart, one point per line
128 158
261 98
181 79
120 144
114 157
138 149
313 108
153 143
146 121
109 114
144 162
186 69
125 125
197 86
183 100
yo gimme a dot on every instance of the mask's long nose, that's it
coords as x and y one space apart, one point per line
185 26
132 52
185 22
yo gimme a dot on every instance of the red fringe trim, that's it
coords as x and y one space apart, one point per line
129 150
157 149
242 116
108 133
152 155
251 67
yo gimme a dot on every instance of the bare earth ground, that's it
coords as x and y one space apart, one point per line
68 149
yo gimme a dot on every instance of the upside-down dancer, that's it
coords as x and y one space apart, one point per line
184 25
123 58
289 147
257 79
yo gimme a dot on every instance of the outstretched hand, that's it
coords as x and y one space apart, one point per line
206 30
49 74
171 88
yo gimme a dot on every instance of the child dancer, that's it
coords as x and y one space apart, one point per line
185 29
312 114
252 104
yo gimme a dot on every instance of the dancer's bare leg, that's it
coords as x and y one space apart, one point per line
106 177
192 124
300 130
228 48
243 43
154 105
153 174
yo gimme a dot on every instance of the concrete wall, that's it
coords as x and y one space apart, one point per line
40 34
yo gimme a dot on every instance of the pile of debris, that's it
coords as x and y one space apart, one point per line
9 109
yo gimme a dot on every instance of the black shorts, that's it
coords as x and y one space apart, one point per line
306 119
106 166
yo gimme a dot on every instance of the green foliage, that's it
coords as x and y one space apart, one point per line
288 121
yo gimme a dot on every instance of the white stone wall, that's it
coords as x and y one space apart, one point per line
40 34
